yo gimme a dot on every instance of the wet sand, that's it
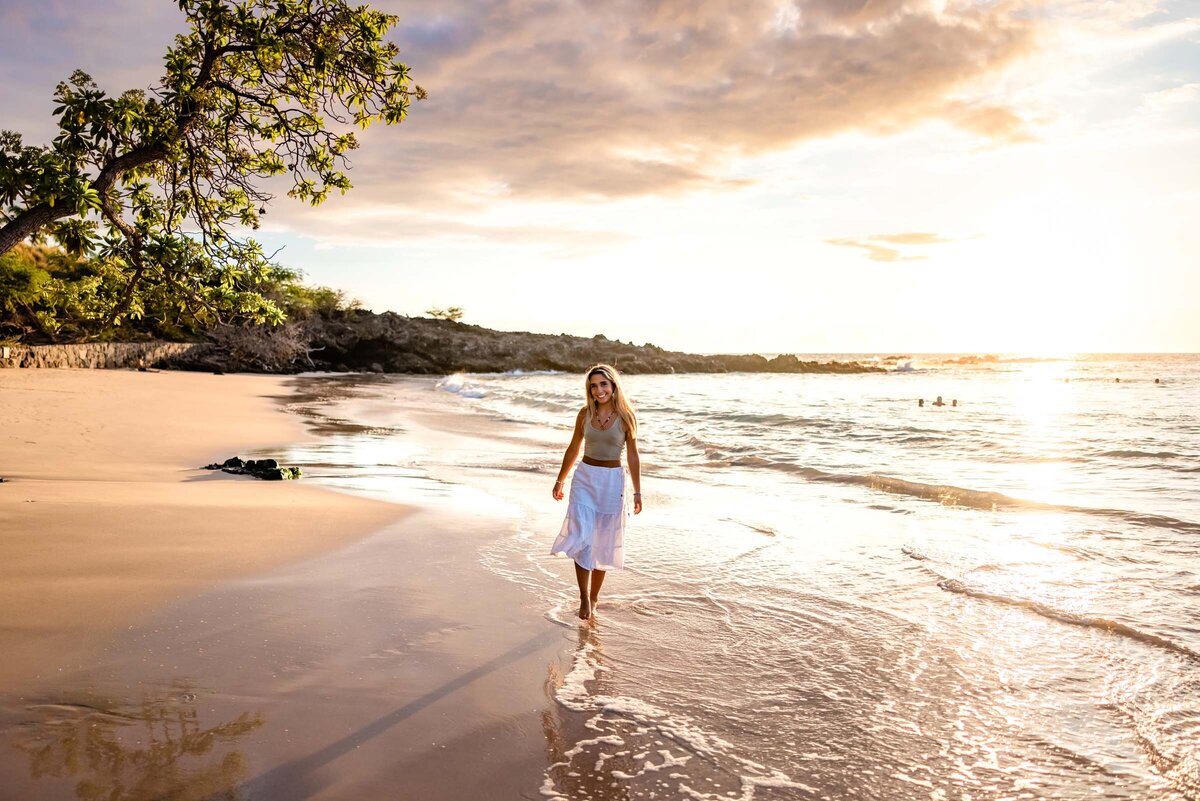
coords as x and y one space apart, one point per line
189 635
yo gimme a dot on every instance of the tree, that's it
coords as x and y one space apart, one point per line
158 185
452 313
48 295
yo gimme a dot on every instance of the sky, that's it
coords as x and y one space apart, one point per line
816 176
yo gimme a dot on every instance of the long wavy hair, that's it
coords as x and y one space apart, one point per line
621 401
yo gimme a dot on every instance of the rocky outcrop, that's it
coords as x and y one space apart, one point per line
362 341
391 343
266 469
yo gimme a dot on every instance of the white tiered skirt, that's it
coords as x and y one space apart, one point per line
593 533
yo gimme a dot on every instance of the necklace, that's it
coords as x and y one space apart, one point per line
601 424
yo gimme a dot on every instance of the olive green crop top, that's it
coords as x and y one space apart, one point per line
606 445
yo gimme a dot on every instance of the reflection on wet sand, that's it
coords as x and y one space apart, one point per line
620 748
158 749
314 399
578 769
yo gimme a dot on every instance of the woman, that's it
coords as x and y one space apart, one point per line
594 532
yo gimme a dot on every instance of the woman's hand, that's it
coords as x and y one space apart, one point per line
557 492
637 503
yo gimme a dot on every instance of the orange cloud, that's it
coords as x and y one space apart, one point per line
627 98
991 122
912 238
880 246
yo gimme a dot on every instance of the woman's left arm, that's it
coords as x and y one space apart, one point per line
635 472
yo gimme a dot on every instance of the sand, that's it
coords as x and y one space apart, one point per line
104 516
173 633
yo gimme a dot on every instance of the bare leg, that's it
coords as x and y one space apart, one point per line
597 581
585 605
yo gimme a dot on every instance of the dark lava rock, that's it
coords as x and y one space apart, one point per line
266 469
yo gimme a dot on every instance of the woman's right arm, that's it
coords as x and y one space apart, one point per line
569 457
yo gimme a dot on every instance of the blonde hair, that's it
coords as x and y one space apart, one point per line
620 401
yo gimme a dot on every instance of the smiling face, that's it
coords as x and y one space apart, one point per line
600 388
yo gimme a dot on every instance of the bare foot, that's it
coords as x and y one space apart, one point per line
585 608
594 602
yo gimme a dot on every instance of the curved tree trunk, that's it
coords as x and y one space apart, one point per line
28 223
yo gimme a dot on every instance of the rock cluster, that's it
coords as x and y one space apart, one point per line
267 469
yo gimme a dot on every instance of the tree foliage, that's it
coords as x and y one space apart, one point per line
158 186
452 313
48 295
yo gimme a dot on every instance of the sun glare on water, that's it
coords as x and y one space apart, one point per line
1043 399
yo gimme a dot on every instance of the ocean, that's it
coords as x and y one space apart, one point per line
834 592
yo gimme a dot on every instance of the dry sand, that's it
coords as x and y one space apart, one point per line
104 516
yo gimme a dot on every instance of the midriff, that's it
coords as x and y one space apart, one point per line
601 462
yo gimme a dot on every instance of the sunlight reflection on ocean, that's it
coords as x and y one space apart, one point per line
836 593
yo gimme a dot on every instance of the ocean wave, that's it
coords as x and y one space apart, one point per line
546 404
950 495
992 358
515 374
640 728
716 454
458 384
775 420
962 587
1124 454
761 529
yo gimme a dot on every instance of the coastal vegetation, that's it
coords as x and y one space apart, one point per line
157 189
49 296
454 313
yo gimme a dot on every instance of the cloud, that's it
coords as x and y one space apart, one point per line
913 238
563 101
996 123
880 247
592 102
380 226
1182 96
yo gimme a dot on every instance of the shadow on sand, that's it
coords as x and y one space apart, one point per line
298 778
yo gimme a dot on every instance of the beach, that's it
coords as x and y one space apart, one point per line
832 592
176 633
